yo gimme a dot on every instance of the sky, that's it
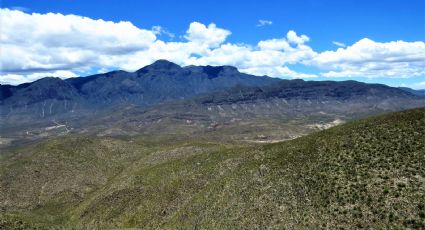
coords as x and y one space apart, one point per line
370 41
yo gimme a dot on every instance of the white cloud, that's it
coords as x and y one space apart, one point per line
32 42
56 42
38 45
274 44
284 43
277 71
263 22
416 85
16 79
367 58
419 85
267 58
289 50
295 39
340 44
210 36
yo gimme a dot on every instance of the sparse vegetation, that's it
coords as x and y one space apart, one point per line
364 174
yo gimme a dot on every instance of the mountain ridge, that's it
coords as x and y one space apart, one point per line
155 83
192 98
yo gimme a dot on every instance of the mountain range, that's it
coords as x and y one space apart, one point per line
159 82
163 95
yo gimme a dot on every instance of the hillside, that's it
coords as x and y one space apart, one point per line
363 174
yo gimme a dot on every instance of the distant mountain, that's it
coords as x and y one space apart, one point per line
164 97
414 91
159 82
296 106
309 90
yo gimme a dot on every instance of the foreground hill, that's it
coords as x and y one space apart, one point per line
364 174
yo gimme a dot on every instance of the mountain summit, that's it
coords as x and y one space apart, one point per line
160 66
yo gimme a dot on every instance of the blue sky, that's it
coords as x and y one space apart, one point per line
325 23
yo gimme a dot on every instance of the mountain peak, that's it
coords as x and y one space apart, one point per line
163 64
46 82
48 79
160 65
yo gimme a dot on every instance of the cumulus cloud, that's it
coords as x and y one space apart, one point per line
367 58
209 35
268 57
290 49
263 22
284 43
38 45
46 42
295 39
